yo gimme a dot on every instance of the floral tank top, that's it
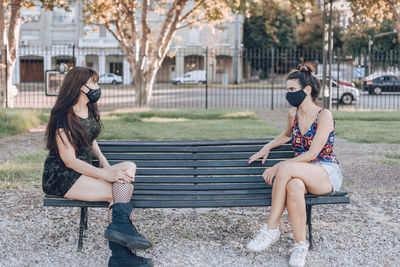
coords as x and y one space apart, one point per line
301 143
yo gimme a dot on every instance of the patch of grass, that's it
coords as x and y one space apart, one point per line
391 158
15 121
23 170
368 126
201 125
191 114
369 131
366 115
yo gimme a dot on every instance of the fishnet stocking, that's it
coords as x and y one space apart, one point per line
122 193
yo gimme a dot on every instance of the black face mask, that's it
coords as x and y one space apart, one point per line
93 94
295 99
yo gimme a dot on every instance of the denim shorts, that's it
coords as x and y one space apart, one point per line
334 173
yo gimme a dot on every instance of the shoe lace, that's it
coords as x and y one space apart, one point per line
263 234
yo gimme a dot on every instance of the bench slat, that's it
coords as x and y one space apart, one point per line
192 156
200 192
183 179
192 163
194 149
192 202
104 143
228 171
191 187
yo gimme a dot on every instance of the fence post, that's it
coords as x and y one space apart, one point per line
338 77
273 77
207 77
73 55
6 63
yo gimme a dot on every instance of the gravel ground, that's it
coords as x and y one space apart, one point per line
363 233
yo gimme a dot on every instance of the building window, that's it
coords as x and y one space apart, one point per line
91 32
63 36
60 16
116 67
30 35
194 36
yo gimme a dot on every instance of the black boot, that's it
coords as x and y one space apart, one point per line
122 256
122 231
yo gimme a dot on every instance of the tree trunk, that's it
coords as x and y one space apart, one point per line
2 58
11 89
144 81
13 39
3 77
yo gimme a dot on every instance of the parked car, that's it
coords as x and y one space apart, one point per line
110 78
191 77
347 94
377 83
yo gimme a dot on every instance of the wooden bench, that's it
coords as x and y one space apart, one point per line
194 174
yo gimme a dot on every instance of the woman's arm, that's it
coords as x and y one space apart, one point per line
325 126
278 141
68 156
99 155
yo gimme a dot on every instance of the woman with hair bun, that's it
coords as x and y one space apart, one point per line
314 169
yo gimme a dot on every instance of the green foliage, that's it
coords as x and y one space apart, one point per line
274 29
15 121
356 38
310 32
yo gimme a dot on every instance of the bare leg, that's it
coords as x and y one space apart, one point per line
296 207
313 176
92 189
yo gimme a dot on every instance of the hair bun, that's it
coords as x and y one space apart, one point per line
303 68
306 68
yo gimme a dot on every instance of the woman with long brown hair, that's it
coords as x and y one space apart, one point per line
71 140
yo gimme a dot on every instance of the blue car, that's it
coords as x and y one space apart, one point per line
375 84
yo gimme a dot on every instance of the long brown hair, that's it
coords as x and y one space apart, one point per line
62 114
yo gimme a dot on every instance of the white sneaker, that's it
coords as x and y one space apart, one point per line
264 239
299 253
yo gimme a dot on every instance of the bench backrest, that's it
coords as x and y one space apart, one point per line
196 173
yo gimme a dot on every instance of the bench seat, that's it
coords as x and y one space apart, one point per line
196 174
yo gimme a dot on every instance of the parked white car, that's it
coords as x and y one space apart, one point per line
191 77
110 78
347 94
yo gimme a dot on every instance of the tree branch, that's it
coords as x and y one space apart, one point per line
145 28
184 26
171 31
13 28
191 11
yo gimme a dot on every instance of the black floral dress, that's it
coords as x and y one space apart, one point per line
57 178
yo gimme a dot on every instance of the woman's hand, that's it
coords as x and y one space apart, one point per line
119 176
263 153
270 173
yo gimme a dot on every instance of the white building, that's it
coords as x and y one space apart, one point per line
52 38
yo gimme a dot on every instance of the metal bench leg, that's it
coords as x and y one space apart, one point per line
82 226
85 226
308 210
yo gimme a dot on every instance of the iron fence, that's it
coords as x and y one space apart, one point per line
210 77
